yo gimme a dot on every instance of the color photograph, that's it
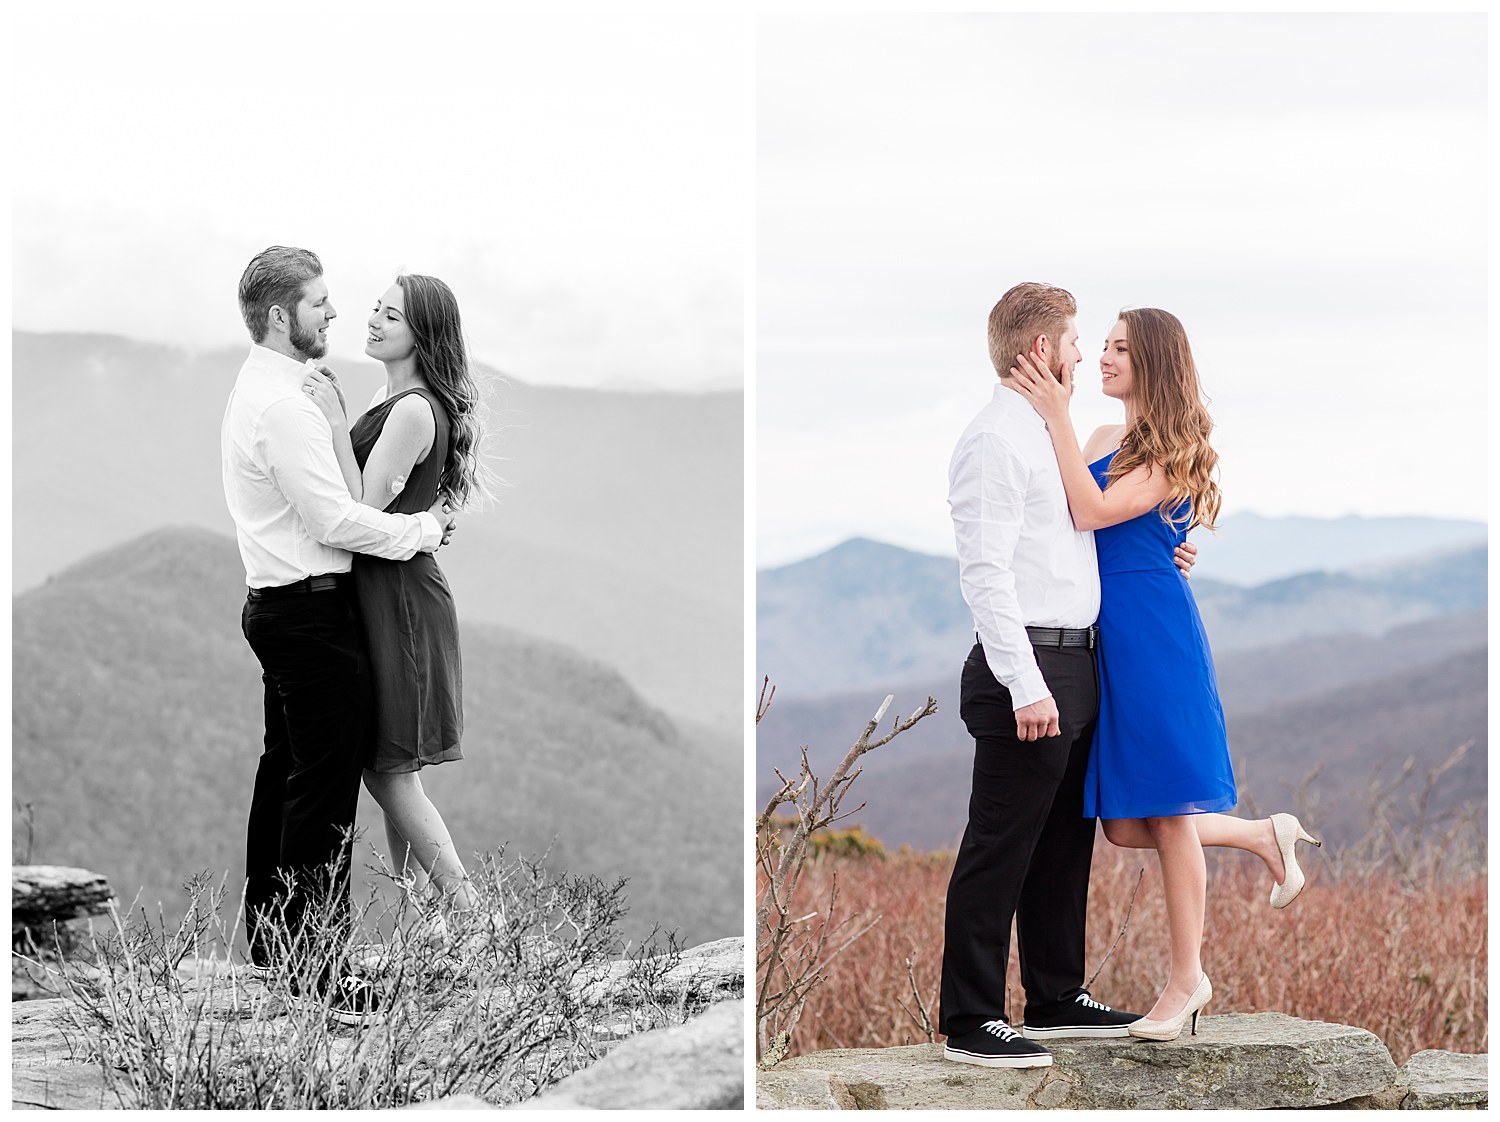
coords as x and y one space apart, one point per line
1041 300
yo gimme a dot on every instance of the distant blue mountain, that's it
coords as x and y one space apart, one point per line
1252 549
870 614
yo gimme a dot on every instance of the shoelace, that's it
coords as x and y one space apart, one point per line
1089 1003
1000 1029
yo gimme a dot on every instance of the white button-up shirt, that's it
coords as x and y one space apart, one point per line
1020 561
293 514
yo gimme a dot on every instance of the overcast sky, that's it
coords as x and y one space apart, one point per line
1307 193
582 182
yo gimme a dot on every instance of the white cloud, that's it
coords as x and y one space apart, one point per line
581 183
1306 193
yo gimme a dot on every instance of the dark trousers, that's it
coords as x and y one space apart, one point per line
317 703
1027 850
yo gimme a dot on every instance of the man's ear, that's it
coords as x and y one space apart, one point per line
276 317
1041 346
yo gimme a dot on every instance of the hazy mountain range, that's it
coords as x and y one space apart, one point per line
868 614
1353 672
137 724
620 533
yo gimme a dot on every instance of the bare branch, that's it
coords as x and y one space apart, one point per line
793 954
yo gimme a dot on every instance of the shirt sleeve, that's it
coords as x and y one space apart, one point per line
296 449
987 496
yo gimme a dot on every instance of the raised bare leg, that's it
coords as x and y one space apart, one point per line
1253 835
417 823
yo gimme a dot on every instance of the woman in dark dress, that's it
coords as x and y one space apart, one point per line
419 439
1159 772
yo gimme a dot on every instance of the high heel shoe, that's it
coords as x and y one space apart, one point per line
1288 833
1170 1028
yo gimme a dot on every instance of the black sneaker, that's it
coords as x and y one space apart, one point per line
995 1044
349 1001
1081 1017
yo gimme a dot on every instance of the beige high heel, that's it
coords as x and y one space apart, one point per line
1288 833
1171 1027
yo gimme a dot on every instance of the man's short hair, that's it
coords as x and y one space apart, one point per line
275 276
1023 313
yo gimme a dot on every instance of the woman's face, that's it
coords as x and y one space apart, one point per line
390 335
1114 364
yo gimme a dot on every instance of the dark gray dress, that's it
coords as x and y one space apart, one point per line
411 628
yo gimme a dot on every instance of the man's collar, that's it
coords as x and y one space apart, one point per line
1016 402
275 360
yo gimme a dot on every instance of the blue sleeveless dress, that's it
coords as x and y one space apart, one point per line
1159 747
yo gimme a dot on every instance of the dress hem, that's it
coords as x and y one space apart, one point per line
1215 806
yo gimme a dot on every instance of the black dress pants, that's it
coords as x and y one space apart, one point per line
317 708
1027 849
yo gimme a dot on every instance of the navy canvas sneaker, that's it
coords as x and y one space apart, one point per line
350 1000
995 1044
1081 1017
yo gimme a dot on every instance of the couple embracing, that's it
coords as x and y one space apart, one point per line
1091 690
346 608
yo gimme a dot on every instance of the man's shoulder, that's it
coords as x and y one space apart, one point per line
992 425
270 404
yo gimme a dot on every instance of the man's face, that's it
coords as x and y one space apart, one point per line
310 320
1063 353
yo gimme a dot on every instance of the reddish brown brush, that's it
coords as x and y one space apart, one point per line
1403 956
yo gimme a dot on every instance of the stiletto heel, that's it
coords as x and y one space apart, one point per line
1170 1028
1288 833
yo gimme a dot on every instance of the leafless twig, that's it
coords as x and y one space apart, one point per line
793 954
1124 926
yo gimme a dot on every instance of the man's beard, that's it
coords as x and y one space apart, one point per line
309 344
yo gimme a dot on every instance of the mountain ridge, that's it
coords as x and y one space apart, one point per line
871 614
619 530
136 726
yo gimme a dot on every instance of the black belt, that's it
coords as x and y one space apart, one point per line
325 583
1063 636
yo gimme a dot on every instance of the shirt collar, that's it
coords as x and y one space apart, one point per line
276 362
1015 402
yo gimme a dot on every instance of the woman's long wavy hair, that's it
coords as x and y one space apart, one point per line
1172 424
443 361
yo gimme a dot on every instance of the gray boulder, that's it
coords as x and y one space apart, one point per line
699 1065
1446 1081
43 894
1253 1061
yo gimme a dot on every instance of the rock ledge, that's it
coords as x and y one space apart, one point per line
1246 1061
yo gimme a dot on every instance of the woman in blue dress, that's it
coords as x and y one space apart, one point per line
1159 774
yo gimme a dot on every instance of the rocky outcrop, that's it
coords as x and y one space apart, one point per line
41 895
697 1063
1255 1061
1446 1081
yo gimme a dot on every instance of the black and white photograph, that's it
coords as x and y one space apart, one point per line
1041 298
378 557
742 558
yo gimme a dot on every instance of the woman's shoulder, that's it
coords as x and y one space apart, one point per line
1103 440
415 411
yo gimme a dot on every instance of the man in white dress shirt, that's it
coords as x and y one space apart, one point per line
1030 698
296 525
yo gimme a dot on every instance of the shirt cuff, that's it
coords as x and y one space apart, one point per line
432 532
1028 689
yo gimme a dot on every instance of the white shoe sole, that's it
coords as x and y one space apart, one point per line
1082 1032
341 1016
1044 1060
